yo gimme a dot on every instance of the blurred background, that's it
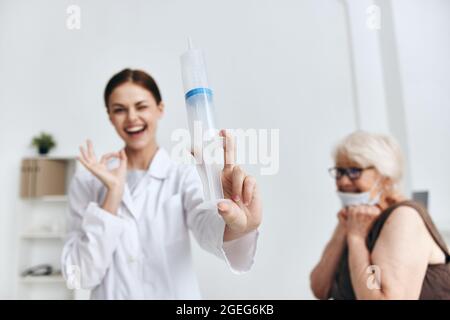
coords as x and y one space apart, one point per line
314 69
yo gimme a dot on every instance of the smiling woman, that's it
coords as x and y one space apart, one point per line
134 106
131 212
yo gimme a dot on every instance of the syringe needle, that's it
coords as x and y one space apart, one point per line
190 43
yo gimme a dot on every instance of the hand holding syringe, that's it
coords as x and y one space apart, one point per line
229 188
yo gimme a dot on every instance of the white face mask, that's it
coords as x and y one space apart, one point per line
360 198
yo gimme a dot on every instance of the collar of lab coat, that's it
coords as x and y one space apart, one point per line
159 168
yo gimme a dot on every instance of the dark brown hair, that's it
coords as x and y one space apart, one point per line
138 77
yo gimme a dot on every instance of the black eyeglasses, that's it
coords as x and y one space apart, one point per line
353 173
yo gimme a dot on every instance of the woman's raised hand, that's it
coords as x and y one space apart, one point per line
113 179
243 213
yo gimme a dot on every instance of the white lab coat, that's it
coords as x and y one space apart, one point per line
144 251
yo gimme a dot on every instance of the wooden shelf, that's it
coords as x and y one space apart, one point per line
42 279
59 198
62 158
42 235
44 184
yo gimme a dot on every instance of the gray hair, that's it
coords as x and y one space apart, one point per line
370 149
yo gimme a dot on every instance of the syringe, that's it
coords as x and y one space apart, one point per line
205 142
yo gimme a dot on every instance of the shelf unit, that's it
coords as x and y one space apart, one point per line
41 233
42 279
50 199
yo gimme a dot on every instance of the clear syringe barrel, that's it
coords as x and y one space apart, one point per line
204 134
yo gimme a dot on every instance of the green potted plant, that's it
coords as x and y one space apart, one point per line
44 143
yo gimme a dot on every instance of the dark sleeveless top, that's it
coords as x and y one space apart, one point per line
436 284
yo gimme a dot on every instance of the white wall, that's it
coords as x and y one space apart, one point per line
273 64
422 31
401 87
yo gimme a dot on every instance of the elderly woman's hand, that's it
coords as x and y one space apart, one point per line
359 219
342 220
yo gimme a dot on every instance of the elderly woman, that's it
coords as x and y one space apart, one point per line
384 246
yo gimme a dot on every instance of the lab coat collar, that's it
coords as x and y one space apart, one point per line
159 167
